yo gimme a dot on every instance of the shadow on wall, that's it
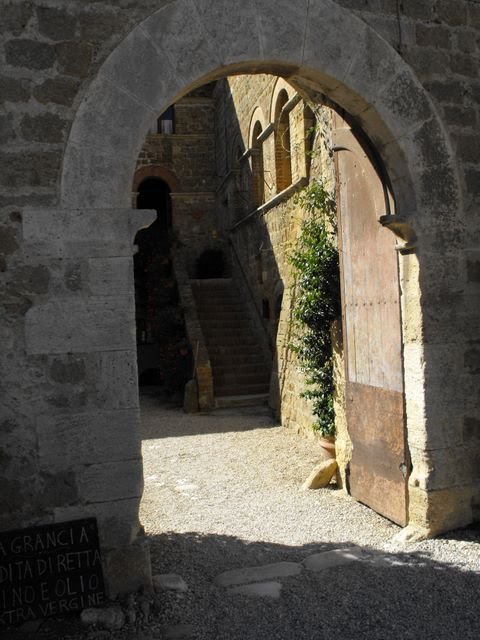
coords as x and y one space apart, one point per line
381 595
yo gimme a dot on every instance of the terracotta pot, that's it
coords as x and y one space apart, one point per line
328 445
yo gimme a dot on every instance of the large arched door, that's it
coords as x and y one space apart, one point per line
372 332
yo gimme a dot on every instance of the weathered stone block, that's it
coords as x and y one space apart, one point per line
321 475
32 169
80 326
471 428
464 65
14 89
57 90
176 28
327 41
74 57
107 481
30 279
269 589
335 558
29 54
63 232
96 26
473 270
169 581
433 36
58 488
118 524
128 569
88 438
15 17
56 24
110 274
419 9
111 618
452 13
257 574
406 98
439 511
116 380
69 371
472 360
8 242
47 127
373 69
282 31
7 131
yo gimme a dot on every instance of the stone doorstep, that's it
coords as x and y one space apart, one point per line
265 573
259 589
334 558
258 574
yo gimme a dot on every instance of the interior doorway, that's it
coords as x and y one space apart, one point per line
159 322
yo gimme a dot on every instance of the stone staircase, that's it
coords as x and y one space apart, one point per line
241 370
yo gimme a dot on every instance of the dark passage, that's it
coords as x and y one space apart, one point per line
163 354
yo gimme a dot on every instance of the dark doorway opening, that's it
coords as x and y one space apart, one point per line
159 320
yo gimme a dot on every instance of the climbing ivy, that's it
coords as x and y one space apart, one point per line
317 300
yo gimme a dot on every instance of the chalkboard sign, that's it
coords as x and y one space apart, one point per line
49 570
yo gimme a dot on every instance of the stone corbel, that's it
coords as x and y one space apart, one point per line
403 230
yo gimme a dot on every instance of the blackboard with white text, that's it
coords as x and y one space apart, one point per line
49 570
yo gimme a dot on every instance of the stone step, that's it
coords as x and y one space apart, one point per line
243 353
242 369
249 400
237 389
239 366
220 340
233 379
233 360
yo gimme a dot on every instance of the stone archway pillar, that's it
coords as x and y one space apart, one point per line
85 328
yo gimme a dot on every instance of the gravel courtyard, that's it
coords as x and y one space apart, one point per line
260 559
222 492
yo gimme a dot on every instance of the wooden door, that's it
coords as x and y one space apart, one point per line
372 333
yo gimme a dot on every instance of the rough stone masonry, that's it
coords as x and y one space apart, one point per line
80 85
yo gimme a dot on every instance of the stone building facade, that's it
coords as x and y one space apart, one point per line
80 86
262 235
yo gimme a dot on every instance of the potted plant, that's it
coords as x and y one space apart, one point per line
317 304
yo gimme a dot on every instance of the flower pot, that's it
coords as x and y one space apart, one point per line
328 445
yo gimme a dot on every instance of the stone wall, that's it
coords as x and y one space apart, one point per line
264 238
186 160
420 107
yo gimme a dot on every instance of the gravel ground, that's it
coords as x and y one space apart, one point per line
222 493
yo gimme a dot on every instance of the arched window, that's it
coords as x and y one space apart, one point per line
258 185
283 162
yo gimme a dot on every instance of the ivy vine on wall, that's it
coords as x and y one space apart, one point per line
317 300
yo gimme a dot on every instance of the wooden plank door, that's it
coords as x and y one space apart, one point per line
372 333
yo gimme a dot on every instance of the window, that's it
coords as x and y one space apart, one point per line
258 186
283 162
166 122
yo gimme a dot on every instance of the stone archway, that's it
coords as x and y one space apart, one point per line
322 49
